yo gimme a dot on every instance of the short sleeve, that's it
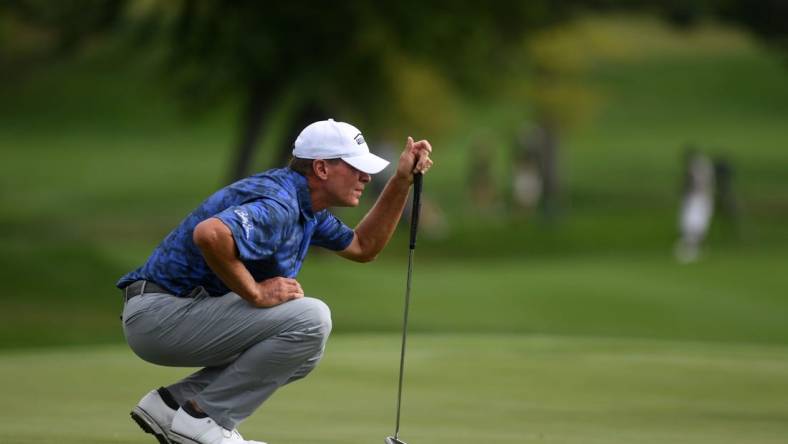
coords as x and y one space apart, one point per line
331 233
257 228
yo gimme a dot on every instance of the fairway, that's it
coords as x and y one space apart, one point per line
459 389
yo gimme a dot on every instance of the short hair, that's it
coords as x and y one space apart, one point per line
301 166
304 166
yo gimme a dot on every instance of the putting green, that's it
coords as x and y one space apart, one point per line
458 389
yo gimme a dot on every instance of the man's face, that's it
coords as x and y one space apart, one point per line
345 183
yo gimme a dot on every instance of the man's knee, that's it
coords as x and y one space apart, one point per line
316 317
316 326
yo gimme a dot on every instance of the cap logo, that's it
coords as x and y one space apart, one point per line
359 139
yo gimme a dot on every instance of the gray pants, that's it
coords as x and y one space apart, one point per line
247 352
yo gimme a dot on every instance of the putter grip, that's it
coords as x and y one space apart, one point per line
416 209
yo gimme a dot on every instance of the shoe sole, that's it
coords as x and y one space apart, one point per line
149 425
180 439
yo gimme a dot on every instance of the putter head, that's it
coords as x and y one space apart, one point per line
393 440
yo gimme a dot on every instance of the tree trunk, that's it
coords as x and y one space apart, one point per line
252 120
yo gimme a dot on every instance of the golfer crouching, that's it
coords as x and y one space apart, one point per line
219 292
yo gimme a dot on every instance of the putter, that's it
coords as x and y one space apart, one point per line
414 225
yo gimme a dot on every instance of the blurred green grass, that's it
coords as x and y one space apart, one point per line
99 164
475 388
733 296
728 104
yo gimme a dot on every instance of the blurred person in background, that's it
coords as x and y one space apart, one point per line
483 189
526 177
726 203
697 205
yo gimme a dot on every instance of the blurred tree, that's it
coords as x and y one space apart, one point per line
347 55
352 55
559 58
764 18
336 57
36 30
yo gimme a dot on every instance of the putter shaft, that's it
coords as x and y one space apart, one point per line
404 340
414 226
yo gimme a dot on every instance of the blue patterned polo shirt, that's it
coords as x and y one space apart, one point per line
271 218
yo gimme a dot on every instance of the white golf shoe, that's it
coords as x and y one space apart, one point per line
154 416
187 429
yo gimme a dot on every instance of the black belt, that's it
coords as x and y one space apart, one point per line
138 288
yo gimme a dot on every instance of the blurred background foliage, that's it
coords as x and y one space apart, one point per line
117 117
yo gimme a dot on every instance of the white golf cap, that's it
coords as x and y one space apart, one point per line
328 139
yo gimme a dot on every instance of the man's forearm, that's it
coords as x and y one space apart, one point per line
378 225
215 242
217 245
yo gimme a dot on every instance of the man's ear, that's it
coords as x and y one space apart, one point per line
319 168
